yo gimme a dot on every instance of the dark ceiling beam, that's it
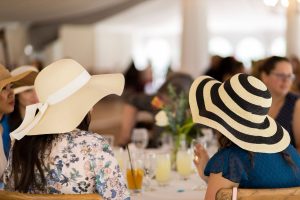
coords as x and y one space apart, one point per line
42 33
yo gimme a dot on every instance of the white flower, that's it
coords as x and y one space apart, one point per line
161 118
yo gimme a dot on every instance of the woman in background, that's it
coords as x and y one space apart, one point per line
277 74
51 155
181 83
24 96
7 100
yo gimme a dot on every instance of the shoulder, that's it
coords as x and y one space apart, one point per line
228 156
82 143
82 138
297 106
233 162
293 153
81 135
232 151
292 97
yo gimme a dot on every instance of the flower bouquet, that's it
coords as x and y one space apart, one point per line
175 117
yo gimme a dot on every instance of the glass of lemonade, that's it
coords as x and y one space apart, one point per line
184 163
163 168
120 157
134 175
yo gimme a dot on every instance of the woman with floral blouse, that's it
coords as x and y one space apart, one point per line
51 155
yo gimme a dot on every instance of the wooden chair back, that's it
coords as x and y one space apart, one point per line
261 194
5 195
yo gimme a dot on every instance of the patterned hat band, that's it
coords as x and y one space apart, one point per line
238 109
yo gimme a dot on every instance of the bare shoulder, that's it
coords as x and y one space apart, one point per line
297 105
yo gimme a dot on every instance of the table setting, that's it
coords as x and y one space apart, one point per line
151 174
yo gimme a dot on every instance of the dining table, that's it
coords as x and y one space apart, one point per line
177 188
192 188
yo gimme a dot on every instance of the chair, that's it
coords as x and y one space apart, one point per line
260 194
5 195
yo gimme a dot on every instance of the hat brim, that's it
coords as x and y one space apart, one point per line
65 116
21 89
266 136
23 79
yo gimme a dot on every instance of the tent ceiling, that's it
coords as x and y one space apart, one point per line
45 16
34 11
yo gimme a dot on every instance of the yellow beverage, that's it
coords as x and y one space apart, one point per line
119 155
184 164
135 178
163 168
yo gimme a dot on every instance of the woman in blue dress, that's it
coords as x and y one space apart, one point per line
255 151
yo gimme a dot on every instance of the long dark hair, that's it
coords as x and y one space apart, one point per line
15 119
28 154
225 142
269 64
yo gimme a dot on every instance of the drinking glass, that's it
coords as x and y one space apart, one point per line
120 157
184 163
149 169
199 140
163 168
140 137
134 175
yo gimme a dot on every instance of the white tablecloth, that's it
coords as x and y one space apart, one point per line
192 189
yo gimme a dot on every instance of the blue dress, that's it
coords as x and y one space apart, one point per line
285 115
265 171
5 135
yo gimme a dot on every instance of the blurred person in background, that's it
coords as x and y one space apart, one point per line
38 63
136 80
142 102
296 68
214 67
277 73
24 96
228 67
7 100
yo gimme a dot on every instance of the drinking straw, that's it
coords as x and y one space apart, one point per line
131 167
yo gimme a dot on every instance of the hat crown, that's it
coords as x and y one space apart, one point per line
56 76
4 73
249 93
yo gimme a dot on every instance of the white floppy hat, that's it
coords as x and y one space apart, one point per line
238 109
66 92
33 71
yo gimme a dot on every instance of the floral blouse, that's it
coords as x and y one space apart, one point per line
80 162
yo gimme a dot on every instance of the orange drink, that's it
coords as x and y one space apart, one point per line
135 178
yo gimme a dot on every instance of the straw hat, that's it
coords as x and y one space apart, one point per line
66 92
19 79
30 78
238 109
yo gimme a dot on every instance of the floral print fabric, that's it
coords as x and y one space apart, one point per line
80 162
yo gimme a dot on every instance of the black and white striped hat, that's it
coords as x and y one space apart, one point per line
238 109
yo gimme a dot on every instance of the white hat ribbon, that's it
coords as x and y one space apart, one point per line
31 119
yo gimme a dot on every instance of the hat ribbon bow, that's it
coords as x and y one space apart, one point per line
31 118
